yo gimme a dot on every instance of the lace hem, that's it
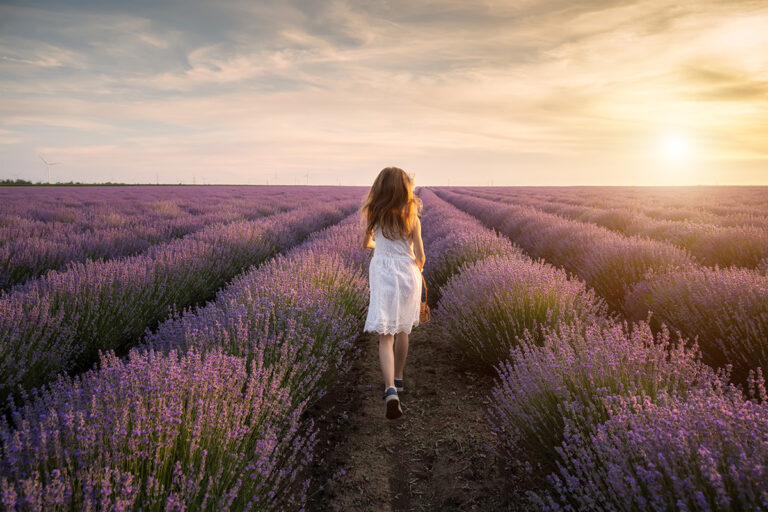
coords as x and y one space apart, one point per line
391 329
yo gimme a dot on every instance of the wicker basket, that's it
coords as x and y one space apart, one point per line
424 309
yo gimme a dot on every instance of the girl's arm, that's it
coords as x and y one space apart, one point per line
368 241
418 245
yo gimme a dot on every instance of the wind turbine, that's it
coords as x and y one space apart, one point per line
48 167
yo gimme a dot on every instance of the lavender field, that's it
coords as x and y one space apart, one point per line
173 348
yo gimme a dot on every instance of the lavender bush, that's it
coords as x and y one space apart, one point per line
303 310
725 309
742 246
614 267
567 376
342 240
702 452
457 250
156 432
453 239
490 303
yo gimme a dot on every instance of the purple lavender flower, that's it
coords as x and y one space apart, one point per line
152 430
60 321
608 262
698 452
490 303
725 309
220 427
542 385
711 239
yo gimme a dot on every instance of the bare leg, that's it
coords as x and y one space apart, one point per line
401 352
387 356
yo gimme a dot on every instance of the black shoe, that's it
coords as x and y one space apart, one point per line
399 385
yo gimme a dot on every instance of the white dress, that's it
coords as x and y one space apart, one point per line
395 283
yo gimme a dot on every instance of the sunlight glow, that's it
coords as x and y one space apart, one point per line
676 147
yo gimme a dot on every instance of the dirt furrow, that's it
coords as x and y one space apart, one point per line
433 458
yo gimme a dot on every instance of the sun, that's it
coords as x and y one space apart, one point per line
675 158
676 146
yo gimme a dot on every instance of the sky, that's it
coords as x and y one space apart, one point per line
330 92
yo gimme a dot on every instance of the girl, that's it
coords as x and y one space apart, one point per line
393 231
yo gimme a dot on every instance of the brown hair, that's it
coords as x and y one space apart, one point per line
391 204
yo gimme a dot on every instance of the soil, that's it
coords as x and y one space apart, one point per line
440 455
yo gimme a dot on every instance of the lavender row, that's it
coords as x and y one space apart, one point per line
578 201
701 452
726 206
609 262
455 239
563 377
566 402
154 432
725 309
620 419
60 321
97 229
30 256
42 211
506 305
490 293
709 244
218 427
303 309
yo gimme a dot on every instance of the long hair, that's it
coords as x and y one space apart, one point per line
391 204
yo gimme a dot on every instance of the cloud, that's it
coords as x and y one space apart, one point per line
41 55
716 82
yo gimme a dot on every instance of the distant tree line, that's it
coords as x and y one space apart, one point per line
25 183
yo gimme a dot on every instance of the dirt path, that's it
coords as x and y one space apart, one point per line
432 458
